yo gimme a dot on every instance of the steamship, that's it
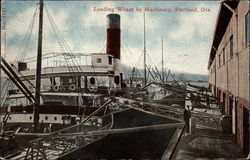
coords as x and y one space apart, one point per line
68 91
70 95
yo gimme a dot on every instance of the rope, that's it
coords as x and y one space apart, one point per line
21 54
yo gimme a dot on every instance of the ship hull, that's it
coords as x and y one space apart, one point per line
148 143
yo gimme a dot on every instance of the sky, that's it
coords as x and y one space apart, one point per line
187 36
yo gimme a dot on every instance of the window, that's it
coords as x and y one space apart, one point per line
98 60
247 28
110 60
223 56
231 47
219 60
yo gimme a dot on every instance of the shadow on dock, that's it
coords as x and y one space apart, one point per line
207 144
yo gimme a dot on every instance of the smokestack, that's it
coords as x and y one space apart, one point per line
113 35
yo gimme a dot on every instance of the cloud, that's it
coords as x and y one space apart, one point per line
20 23
11 54
130 22
134 23
192 23
97 47
181 59
89 34
97 18
59 16
132 57
192 59
190 40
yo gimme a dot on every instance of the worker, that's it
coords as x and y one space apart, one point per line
208 102
187 116
42 126
192 98
50 128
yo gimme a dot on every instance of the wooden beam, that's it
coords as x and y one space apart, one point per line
228 7
110 131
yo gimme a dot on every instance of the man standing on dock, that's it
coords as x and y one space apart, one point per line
187 116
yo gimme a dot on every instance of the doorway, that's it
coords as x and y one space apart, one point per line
245 130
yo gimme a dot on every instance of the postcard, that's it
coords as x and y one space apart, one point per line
124 79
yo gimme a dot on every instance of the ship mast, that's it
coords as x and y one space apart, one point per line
1 60
38 69
145 71
162 62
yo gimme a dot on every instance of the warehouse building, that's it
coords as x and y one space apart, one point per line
229 66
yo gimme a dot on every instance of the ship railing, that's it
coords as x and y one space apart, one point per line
53 147
201 118
60 145
207 120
